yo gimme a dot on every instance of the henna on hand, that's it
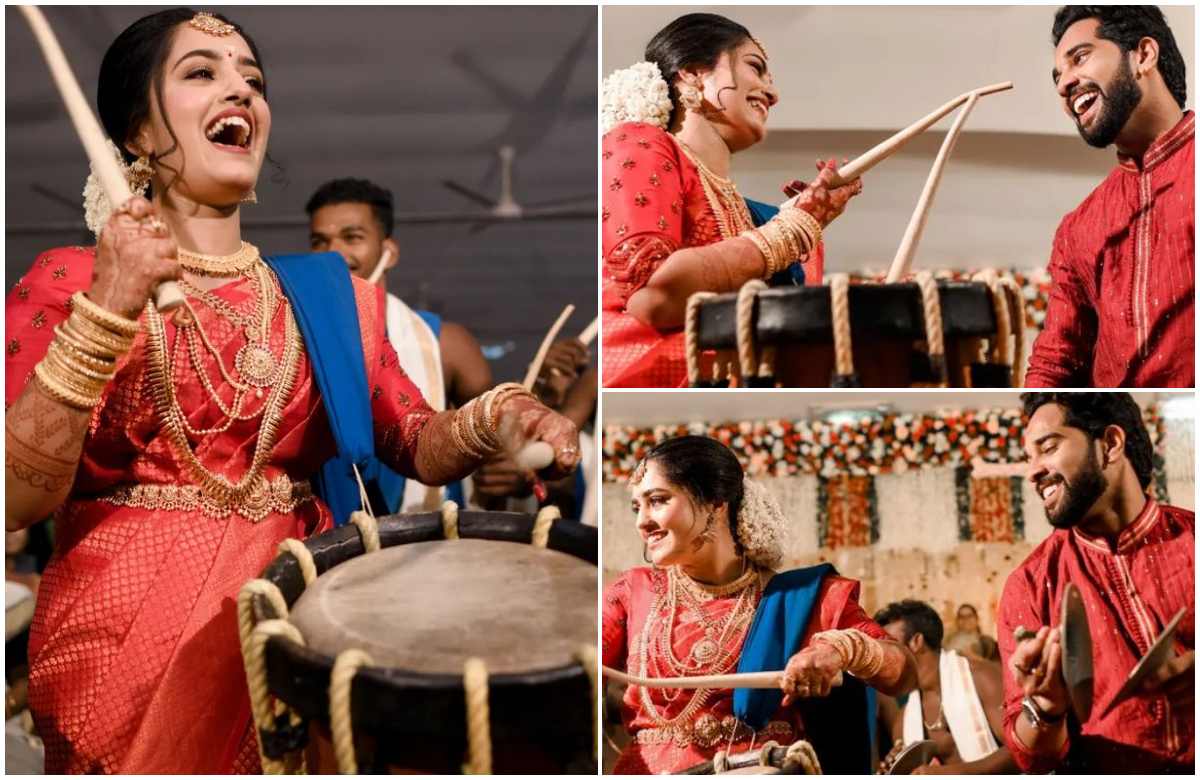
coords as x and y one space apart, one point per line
524 420
819 198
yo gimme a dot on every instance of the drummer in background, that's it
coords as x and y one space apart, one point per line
959 701
356 218
711 601
674 223
1122 305
1133 560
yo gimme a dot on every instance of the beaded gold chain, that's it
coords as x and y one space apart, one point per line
737 622
729 208
161 382
220 265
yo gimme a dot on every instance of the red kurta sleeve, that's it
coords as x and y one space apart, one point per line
615 623
38 302
398 409
1020 606
1063 349
643 204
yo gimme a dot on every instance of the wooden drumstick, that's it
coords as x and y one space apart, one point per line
741 680
916 224
881 151
589 332
168 295
536 365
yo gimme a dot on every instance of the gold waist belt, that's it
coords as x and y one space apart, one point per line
279 495
708 732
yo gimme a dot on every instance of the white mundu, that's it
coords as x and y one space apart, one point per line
960 704
420 356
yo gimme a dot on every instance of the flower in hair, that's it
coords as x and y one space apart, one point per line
760 525
638 93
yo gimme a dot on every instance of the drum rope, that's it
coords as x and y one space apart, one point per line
364 500
368 530
479 735
800 755
450 520
1016 305
720 762
541 526
839 288
308 567
341 722
265 716
931 303
691 335
744 331
1000 349
586 655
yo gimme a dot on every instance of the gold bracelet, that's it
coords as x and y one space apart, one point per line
61 393
122 326
801 219
495 398
764 248
862 656
64 342
95 340
461 430
69 361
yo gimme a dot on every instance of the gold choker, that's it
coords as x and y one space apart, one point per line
235 264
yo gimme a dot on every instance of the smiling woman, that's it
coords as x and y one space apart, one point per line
674 222
175 451
710 602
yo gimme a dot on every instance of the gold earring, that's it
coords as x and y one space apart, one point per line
690 98
138 175
250 197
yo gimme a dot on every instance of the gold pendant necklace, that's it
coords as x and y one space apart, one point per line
728 206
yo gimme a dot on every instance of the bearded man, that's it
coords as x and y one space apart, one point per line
1122 302
1133 561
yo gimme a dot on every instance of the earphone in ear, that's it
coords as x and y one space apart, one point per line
381 266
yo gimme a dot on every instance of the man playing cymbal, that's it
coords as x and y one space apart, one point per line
1133 561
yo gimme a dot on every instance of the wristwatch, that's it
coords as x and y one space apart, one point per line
1039 718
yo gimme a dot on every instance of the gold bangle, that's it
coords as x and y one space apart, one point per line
80 355
800 217
69 363
495 398
95 340
764 248
93 311
462 438
60 393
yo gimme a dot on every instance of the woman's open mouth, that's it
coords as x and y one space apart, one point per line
230 131
655 537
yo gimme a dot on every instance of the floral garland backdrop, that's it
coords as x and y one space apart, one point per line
894 443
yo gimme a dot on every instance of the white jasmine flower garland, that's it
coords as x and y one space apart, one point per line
638 93
760 525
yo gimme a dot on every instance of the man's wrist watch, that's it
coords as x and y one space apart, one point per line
1038 717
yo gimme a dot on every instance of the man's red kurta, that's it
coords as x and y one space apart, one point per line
1121 310
1130 593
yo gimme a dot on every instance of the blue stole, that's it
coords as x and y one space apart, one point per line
322 297
761 213
774 637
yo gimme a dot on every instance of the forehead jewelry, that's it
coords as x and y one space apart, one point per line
207 23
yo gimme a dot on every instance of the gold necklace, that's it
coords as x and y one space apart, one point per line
254 362
220 265
728 207
219 489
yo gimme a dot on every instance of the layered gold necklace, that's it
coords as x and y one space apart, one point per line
256 366
709 655
729 208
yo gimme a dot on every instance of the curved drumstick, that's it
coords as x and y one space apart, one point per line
881 151
740 680
916 224
168 295
536 365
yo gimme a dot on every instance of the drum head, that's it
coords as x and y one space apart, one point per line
429 606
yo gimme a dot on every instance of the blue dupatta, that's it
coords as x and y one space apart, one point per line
793 275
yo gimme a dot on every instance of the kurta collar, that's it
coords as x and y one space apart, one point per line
1163 147
1130 537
